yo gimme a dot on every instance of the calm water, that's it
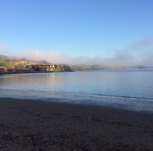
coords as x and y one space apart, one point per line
130 89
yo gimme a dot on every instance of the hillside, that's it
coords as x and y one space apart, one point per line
15 62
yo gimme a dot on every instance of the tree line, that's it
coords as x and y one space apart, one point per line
12 65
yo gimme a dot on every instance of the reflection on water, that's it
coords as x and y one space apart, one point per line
87 86
132 84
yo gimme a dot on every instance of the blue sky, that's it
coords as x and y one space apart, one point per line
105 30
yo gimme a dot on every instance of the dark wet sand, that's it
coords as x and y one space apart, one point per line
27 125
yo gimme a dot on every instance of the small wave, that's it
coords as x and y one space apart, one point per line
78 95
132 103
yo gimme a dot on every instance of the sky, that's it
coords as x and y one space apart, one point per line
102 32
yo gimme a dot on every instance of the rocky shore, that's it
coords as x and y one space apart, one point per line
31 125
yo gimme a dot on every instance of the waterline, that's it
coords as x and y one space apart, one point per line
131 103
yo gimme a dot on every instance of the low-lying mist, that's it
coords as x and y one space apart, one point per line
137 53
120 58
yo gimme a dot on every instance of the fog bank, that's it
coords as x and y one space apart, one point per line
137 53
119 58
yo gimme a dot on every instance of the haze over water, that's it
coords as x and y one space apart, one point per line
129 89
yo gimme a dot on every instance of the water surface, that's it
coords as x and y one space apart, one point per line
130 89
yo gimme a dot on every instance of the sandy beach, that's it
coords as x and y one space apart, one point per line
30 125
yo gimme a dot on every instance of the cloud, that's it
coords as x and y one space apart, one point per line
143 45
123 57
49 56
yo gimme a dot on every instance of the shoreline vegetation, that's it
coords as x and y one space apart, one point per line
41 125
20 72
21 65
43 66
9 68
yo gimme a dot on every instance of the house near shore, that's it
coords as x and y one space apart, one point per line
41 67
3 70
50 68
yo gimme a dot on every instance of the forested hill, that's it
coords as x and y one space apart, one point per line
14 62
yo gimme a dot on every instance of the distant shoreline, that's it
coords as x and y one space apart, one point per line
149 69
33 72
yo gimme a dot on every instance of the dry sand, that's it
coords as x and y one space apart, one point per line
45 126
